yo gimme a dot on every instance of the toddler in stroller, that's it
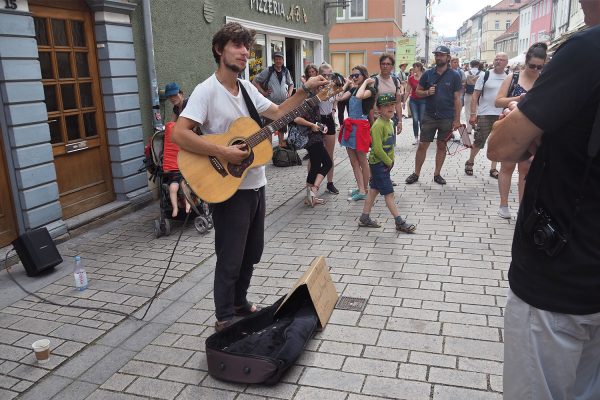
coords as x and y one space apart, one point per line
163 165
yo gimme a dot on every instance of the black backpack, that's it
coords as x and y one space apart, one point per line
285 157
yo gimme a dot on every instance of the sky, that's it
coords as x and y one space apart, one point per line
448 15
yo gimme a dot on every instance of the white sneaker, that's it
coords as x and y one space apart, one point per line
503 212
415 142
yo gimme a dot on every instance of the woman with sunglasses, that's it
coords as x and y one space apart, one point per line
513 88
355 134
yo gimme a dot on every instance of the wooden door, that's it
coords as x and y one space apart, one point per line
8 226
68 63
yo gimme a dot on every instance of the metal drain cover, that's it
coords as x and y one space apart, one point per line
351 303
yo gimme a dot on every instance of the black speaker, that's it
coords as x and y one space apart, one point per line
37 251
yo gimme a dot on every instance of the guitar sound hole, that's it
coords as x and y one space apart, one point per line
238 170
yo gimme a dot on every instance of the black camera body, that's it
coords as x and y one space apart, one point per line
544 232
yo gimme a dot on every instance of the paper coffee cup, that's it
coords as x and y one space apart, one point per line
42 350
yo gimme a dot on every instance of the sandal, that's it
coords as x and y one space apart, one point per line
406 227
439 180
368 223
469 168
412 178
220 325
245 310
494 173
319 201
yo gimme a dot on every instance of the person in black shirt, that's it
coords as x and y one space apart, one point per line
552 316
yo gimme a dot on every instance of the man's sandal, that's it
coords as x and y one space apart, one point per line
469 168
220 325
245 310
494 173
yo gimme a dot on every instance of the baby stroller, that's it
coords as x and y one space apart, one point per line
201 210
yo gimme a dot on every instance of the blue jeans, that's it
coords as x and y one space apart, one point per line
417 108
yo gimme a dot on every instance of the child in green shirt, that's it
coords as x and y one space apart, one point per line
381 161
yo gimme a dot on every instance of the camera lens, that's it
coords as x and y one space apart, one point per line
540 236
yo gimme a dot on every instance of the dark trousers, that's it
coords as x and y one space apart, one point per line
320 162
239 240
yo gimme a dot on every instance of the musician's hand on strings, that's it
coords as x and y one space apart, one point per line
315 81
236 153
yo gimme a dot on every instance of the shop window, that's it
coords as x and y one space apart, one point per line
257 61
308 53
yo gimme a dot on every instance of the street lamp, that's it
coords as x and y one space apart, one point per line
334 4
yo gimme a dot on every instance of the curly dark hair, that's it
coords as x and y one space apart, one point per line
389 57
235 32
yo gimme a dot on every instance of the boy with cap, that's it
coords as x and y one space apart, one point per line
381 161
175 96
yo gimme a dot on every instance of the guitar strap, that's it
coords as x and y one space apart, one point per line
250 105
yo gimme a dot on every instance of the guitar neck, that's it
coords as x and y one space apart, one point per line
266 132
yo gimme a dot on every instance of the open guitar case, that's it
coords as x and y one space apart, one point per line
262 346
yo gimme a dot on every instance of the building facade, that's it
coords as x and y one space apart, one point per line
541 21
362 32
508 41
495 21
77 100
524 28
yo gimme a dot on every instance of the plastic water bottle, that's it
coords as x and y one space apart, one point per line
81 281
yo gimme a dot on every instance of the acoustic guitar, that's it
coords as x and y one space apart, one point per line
215 180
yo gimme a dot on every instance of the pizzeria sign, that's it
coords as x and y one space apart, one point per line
293 13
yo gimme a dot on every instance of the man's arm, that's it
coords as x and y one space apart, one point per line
186 139
259 87
513 137
275 111
457 108
474 104
422 92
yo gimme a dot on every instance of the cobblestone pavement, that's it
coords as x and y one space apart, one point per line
431 329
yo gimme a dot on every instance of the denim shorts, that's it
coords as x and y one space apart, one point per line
380 178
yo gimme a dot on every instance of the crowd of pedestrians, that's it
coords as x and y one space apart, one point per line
435 99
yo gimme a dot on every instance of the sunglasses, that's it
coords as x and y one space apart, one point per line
354 76
533 66
327 75
386 64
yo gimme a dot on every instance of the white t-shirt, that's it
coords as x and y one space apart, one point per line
492 85
215 108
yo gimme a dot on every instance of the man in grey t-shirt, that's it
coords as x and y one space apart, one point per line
276 84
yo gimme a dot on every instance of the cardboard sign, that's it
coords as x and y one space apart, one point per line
320 289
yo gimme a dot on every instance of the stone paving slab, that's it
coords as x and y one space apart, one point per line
431 329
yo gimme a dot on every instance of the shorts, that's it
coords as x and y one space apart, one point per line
430 126
267 121
484 127
380 178
329 122
172 177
